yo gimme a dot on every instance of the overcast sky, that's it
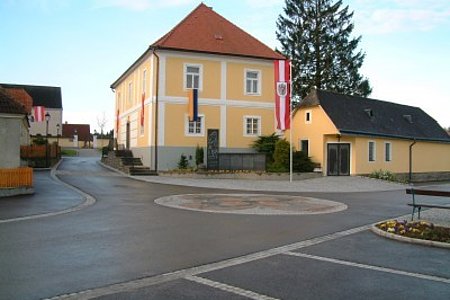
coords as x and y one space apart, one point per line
84 45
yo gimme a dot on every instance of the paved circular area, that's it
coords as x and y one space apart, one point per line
255 204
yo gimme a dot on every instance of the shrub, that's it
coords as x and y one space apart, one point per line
266 144
105 151
39 140
183 162
199 155
301 162
280 157
383 174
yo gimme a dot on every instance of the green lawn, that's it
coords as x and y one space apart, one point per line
69 152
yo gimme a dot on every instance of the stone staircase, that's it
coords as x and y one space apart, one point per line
124 161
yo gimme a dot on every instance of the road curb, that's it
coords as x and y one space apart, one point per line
405 239
88 201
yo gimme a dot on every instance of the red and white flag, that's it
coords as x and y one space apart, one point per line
117 122
142 109
282 93
39 113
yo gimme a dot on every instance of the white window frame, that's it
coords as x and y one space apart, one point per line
374 151
200 79
245 133
308 112
144 80
202 126
258 82
130 93
388 153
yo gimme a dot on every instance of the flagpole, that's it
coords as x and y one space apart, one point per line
290 123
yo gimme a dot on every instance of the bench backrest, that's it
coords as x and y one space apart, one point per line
428 192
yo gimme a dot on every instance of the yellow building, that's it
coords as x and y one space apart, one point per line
233 73
351 135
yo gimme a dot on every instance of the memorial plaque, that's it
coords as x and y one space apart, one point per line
212 150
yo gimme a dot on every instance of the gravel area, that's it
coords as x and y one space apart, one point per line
439 217
341 184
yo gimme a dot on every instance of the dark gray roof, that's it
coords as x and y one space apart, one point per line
47 96
363 116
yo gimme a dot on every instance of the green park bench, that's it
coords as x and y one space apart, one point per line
419 205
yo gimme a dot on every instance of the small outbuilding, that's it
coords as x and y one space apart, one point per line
350 135
13 130
14 177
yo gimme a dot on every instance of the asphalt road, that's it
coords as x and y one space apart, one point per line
126 247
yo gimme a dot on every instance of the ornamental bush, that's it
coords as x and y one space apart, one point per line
280 157
301 162
199 155
266 144
383 174
183 162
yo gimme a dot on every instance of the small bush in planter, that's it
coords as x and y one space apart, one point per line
183 162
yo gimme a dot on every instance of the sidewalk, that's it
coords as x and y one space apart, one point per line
50 197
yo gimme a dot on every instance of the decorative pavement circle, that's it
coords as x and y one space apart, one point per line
252 204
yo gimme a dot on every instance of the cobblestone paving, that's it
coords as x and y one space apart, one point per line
252 204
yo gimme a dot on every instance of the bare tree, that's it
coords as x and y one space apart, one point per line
101 122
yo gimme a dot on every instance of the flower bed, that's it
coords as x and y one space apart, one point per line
416 230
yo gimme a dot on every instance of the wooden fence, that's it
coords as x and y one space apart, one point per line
38 151
18 177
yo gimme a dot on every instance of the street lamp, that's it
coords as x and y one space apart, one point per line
47 118
57 140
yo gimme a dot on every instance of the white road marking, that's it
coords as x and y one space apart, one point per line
185 273
370 267
229 288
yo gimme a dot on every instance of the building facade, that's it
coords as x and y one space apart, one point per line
350 135
233 73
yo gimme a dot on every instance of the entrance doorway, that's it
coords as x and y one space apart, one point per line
127 144
338 157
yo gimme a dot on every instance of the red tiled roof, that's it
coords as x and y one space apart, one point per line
203 30
22 97
8 105
83 131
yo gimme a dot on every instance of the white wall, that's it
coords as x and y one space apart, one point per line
10 138
55 118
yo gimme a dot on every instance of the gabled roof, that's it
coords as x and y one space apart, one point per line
9 106
363 116
47 96
22 97
83 131
204 30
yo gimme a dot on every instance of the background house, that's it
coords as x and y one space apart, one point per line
351 135
233 73
47 96
75 136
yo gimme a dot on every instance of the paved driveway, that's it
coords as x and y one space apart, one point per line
125 246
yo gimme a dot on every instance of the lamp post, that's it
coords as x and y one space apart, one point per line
47 119
57 134
57 140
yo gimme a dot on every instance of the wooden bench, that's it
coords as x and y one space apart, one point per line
419 206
